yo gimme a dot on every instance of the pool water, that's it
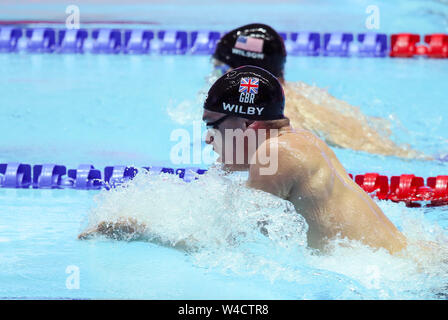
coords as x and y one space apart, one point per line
109 110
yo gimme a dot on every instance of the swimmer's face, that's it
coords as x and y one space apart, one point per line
223 134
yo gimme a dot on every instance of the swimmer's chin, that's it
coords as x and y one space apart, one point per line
236 167
232 167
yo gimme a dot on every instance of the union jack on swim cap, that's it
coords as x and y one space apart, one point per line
254 44
248 92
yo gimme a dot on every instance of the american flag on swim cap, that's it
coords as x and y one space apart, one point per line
249 44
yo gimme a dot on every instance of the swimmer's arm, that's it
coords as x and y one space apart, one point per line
272 184
129 229
123 229
279 184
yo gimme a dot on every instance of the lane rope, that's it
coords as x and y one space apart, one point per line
406 188
14 38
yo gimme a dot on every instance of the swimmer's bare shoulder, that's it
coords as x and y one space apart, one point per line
289 160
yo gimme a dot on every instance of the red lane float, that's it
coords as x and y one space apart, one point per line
405 45
438 45
374 184
439 186
406 188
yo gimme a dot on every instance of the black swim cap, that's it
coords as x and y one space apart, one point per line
253 44
247 92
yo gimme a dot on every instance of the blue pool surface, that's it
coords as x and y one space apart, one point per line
116 109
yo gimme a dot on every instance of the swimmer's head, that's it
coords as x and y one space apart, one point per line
238 104
253 44
248 92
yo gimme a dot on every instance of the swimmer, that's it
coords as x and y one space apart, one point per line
333 120
308 173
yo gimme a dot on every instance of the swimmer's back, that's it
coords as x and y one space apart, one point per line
321 190
335 121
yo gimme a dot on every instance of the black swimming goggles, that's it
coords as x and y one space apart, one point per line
215 124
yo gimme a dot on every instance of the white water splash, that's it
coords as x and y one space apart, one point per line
219 218
188 111
214 212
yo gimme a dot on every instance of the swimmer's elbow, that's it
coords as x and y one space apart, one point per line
272 185
398 246
278 184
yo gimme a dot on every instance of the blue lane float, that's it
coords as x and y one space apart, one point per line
48 175
15 175
117 175
337 44
72 41
372 45
172 42
284 35
137 41
303 43
40 40
84 177
106 41
204 42
9 37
